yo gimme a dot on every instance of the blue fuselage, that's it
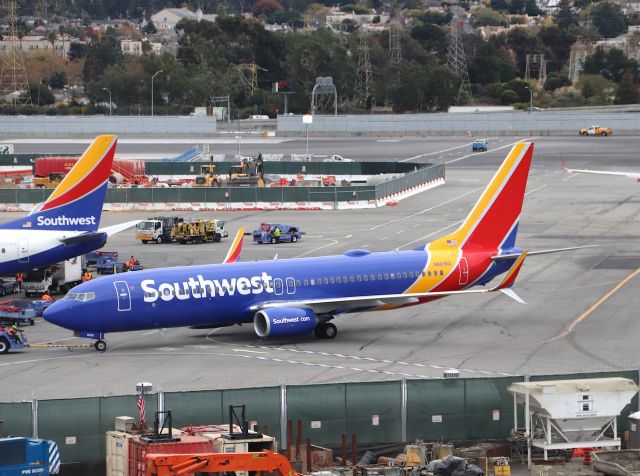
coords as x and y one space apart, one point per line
225 294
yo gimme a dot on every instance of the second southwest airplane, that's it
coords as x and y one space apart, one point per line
66 224
293 297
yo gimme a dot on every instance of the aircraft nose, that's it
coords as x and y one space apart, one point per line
60 314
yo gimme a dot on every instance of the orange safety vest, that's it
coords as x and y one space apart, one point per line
87 277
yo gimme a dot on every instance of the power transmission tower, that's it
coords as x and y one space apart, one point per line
249 76
536 68
395 47
579 52
457 63
364 88
13 76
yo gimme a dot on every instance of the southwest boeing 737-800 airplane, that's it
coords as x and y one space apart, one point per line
66 224
299 296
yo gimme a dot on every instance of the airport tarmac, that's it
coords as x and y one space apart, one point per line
580 316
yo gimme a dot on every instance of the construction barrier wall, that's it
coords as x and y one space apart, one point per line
377 412
205 195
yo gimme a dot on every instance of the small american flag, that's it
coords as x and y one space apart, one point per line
141 407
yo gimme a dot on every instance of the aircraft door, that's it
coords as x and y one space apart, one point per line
464 270
124 295
23 250
277 286
291 285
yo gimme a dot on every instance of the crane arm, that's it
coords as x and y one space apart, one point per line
179 464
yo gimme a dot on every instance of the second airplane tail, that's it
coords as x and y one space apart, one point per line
76 203
493 221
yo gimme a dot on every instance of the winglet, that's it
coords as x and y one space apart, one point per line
512 274
236 248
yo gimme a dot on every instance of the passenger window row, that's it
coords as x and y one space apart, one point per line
358 278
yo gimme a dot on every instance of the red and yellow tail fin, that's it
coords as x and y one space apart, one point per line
236 248
493 221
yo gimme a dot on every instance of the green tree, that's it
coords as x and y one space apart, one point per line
522 42
611 64
627 91
517 6
101 53
41 95
436 18
491 64
499 5
555 81
488 17
608 18
149 28
531 8
432 38
565 16
508 96
557 42
596 89
58 80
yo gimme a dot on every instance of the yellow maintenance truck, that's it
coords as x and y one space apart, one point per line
199 231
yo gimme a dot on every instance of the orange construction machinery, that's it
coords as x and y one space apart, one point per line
174 465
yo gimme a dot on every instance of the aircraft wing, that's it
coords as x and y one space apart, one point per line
83 238
112 230
329 305
631 175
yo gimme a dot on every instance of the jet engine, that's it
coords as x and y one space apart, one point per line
284 321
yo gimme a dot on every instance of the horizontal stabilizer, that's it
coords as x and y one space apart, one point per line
631 175
84 238
511 256
112 230
513 295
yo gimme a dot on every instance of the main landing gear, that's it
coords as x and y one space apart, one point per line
325 330
100 345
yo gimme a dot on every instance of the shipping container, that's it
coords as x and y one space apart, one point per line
44 166
138 450
118 453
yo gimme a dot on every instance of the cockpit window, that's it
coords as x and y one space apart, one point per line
82 297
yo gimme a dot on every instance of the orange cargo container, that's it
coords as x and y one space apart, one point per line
138 450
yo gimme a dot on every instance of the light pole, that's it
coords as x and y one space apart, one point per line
307 120
152 78
107 90
530 98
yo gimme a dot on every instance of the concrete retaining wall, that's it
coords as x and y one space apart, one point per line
124 126
566 122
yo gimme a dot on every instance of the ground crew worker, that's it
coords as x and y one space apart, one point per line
46 296
13 333
87 276
19 279
276 234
